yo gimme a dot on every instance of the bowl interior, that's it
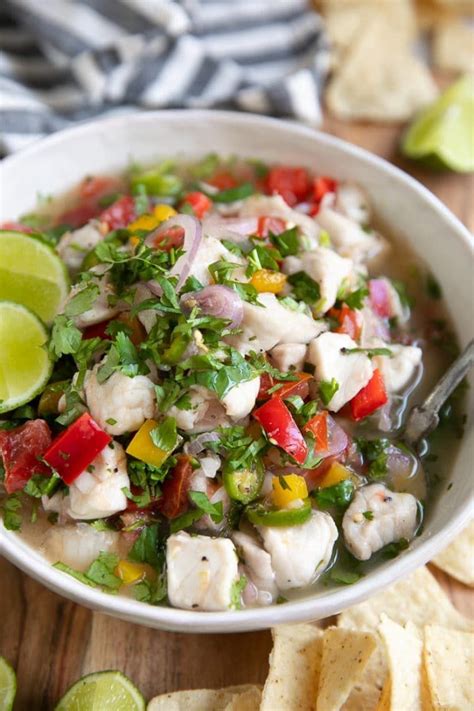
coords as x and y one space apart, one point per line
408 210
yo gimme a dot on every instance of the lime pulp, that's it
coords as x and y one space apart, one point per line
102 691
7 685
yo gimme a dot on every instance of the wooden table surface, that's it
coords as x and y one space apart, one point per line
52 642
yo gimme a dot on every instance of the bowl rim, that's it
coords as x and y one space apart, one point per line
311 607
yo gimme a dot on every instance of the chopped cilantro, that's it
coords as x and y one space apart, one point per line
375 455
236 593
165 435
327 390
40 485
305 288
392 550
65 337
433 288
233 194
102 571
82 301
202 502
369 515
11 512
152 592
148 547
339 495
370 352
286 242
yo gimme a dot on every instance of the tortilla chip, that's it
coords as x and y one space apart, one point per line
453 46
295 662
247 701
371 85
384 703
366 693
463 7
449 662
345 656
404 650
417 598
198 699
458 558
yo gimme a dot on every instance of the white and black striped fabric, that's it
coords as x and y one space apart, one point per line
63 61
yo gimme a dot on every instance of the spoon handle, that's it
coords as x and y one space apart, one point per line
424 418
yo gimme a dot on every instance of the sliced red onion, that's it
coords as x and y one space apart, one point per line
216 300
198 444
234 229
400 464
154 287
337 438
192 240
379 296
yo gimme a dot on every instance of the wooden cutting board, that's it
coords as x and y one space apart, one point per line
52 642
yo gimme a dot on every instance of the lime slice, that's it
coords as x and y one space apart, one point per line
7 685
32 274
102 691
442 135
25 366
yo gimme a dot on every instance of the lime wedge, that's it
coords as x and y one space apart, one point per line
443 135
32 274
102 691
7 685
25 366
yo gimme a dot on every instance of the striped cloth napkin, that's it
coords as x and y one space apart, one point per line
63 61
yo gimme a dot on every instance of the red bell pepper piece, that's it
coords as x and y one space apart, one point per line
322 186
278 423
20 449
120 214
379 297
199 203
270 224
96 186
293 388
369 398
291 183
318 426
78 216
75 448
266 383
174 500
97 330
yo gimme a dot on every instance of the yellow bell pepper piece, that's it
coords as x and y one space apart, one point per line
163 212
268 281
336 473
288 488
142 446
130 572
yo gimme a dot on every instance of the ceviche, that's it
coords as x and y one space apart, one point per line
231 365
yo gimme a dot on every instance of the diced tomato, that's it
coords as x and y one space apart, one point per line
172 238
294 388
20 449
78 216
223 181
379 297
97 330
349 321
199 202
278 423
267 225
120 214
291 183
266 382
95 187
369 398
318 426
16 227
322 186
75 448
174 500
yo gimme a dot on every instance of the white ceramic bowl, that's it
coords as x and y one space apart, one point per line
405 206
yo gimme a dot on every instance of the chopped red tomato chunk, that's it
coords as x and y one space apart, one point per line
369 398
322 186
174 500
78 216
16 227
266 383
20 450
75 448
199 203
294 388
223 181
95 187
291 183
120 214
282 430
349 321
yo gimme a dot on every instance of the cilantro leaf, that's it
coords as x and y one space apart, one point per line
339 495
11 512
145 548
65 337
375 455
82 301
200 500
304 287
165 435
236 593
233 194
355 299
433 288
392 550
370 352
327 390
102 571
40 485
152 592
286 242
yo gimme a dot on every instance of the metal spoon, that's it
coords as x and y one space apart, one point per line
424 418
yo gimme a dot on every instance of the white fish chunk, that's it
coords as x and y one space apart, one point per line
288 356
300 554
400 369
78 545
120 404
389 516
351 372
201 571
258 566
348 237
73 246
